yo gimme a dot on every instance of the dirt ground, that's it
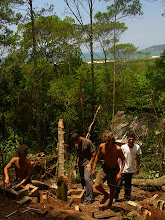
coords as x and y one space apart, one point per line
53 205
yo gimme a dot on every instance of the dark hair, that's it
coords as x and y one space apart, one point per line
131 134
23 149
75 137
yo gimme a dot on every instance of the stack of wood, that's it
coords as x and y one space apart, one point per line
44 166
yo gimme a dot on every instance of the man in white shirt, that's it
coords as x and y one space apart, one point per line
131 152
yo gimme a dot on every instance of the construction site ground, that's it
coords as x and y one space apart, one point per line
51 205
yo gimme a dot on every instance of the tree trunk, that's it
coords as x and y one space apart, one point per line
36 76
149 182
61 132
62 180
82 108
162 149
91 52
114 76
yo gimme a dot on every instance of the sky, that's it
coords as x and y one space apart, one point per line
143 32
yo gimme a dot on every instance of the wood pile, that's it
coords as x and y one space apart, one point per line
43 166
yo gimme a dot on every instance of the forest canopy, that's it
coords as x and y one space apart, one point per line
43 76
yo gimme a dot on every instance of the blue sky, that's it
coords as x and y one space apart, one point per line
143 32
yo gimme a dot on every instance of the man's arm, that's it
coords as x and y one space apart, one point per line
10 164
97 158
122 158
88 166
138 163
75 164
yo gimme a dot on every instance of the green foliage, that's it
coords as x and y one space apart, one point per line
60 69
124 50
8 149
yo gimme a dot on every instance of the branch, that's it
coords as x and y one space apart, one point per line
90 127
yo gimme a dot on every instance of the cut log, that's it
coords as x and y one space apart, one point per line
34 192
24 200
40 185
149 182
70 215
12 193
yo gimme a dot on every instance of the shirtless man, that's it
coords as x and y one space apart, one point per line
110 169
23 168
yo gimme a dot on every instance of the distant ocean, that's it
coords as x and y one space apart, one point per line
100 56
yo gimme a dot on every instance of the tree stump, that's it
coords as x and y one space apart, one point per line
62 190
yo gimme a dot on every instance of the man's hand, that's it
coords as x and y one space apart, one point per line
88 166
6 180
94 172
138 170
118 177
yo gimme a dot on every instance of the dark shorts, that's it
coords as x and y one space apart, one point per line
109 175
15 182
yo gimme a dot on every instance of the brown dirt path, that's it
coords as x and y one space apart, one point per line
54 205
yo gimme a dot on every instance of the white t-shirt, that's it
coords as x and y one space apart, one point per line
130 155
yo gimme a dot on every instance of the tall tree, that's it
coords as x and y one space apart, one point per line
119 10
7 17
75 7
124 50
103 32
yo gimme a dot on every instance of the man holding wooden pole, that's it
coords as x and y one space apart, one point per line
85 156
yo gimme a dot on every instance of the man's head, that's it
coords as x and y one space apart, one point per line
22 151
75 138
109 137
131 138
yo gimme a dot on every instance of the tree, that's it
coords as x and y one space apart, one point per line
119 10
103 33
124 50
7 17
75 7
156 76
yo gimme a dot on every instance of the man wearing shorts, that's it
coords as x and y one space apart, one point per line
110 170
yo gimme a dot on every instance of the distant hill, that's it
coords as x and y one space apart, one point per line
155 48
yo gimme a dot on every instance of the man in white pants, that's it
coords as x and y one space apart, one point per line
131 152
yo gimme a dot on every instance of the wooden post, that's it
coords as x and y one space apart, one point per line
62 180
61 132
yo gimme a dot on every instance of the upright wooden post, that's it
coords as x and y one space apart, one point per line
62 180
61 132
